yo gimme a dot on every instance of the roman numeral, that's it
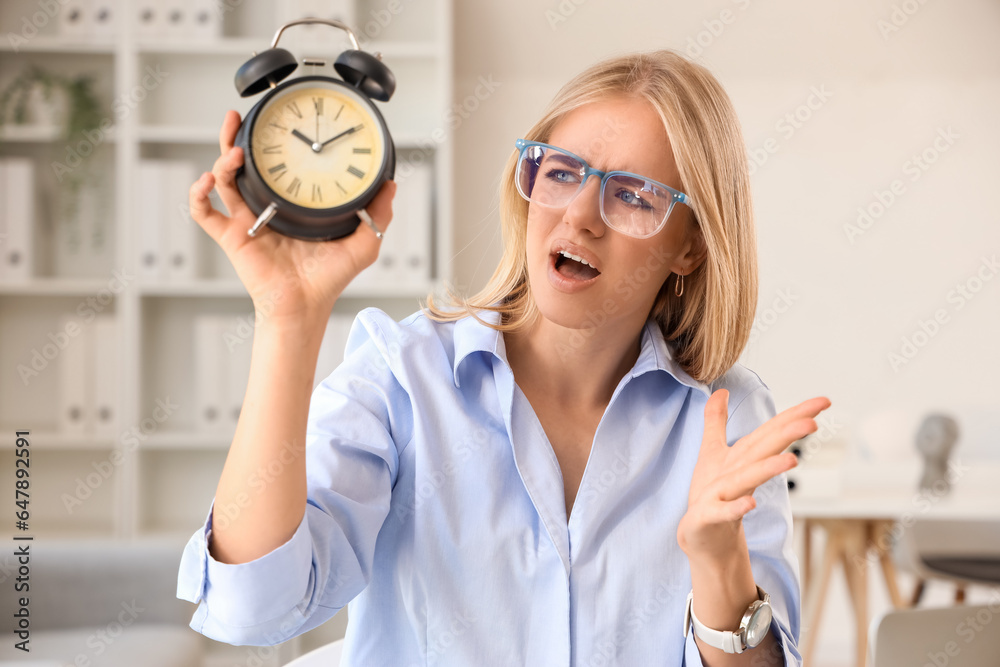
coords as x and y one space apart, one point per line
357 172
341 187
293 187
317 193
366 151
318 105
278 169
278 125
275 149
294 108
338 112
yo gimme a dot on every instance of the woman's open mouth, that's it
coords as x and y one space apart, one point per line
568 272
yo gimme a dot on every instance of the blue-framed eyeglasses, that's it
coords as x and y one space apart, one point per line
631 204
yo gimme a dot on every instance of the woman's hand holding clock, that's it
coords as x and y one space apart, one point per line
286 276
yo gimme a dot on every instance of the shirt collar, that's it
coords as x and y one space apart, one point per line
654 352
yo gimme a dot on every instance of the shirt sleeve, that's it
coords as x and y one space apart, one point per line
356 417
768 530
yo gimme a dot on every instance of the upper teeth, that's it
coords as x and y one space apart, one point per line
578 259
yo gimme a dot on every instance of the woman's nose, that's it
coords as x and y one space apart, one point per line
584 211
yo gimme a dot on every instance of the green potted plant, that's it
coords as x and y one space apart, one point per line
19 101
39 97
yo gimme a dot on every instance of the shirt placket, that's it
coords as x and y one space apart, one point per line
539 472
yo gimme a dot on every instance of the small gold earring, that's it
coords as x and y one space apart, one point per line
679 285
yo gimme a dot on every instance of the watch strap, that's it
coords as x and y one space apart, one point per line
724 640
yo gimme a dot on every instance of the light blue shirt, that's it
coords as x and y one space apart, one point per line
436 513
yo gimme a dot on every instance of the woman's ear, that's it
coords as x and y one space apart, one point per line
695 248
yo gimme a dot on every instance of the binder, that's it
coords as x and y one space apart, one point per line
180 230
4 236
176 16
149 209
150 19
75 409
331 351
74 17
107 365
315 35
101 18
417 194
209 373
387 267
205 21
17 220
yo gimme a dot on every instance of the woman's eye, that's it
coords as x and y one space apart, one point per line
631 199
560 176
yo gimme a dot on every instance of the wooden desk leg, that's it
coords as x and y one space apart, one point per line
882 536
816 593
855 562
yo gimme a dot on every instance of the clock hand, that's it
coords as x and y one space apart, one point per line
312 144
347 131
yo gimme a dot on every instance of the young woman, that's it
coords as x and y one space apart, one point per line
555 471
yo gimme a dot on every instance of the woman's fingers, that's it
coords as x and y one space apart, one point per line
744 482
212 221
230 160
225 181
764 440
716 414
227 134
732 510
380 208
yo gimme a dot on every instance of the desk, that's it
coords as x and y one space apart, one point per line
859 529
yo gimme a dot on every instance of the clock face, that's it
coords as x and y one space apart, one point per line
317 144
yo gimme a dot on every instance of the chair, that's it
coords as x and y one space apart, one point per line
86 587
324 656
963 552
954 636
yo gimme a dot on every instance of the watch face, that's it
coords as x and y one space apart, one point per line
760 623
317 144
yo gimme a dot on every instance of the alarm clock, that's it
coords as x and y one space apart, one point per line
316 149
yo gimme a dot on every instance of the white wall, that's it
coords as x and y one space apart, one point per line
889 96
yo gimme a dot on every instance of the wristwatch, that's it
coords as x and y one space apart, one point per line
753 627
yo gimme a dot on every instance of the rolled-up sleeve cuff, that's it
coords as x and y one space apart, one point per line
779 628
257 602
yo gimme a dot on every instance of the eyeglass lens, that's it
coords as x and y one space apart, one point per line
630 204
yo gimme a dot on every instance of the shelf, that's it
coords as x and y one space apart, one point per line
190 134
45 44
246 46
181 440
55 287
58 440
176 536
152 477
67 532
41 134
226 288
197 288
178 134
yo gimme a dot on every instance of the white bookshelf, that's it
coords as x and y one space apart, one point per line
163 485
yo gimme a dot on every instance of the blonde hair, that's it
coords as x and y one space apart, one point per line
709 325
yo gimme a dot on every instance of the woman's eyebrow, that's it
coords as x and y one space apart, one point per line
564 159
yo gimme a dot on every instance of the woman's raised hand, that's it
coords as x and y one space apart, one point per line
725 477
285 276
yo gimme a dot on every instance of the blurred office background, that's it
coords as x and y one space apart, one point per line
872 137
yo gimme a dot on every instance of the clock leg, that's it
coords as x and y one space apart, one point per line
264 218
